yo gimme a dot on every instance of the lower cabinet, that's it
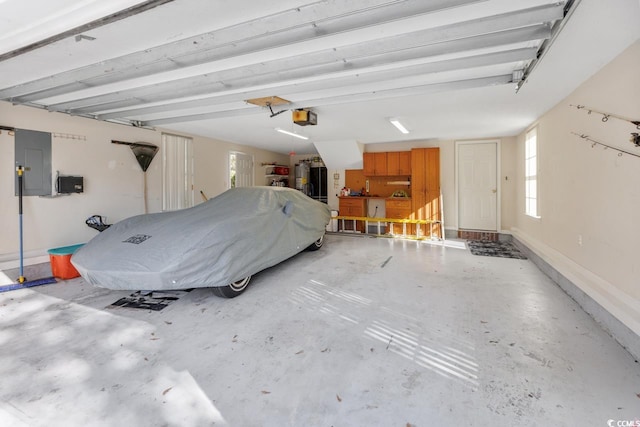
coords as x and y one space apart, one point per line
352 206
398 209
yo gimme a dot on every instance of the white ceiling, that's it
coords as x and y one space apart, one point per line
445 68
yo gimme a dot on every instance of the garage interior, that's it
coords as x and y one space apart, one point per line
521 127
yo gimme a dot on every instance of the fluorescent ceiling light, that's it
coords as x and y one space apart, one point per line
286 132
399 125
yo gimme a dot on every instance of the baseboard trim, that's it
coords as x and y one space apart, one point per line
9 261
617 314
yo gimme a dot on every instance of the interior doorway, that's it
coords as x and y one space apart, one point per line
477 185
240 169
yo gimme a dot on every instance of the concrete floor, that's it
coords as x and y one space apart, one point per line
364 332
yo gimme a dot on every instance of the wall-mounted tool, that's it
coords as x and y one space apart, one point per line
22 281
635 137
144 153
602 144
605 116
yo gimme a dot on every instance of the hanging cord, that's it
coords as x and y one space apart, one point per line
594 143
605 116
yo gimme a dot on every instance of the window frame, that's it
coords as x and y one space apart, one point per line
531 174
177 172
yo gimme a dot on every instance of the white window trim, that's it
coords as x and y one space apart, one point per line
528 177
177 181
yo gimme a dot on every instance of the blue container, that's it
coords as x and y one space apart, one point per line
65 250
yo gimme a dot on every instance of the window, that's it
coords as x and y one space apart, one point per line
531 173
240 169
177 172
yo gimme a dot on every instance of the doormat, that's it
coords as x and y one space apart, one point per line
498 249
150 300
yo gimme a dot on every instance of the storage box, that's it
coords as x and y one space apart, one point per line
333 223
60 259
281 170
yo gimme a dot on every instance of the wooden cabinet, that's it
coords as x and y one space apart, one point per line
405 163
425 187
393 163
374 164
352 206
398 209
399 163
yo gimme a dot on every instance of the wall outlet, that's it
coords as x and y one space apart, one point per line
579 239
366 183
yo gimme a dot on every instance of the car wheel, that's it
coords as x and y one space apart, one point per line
233 289
317 244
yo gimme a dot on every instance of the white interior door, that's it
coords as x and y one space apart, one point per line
240 169
477 185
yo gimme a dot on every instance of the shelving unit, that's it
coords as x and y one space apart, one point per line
274 179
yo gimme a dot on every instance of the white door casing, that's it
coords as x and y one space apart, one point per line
477 185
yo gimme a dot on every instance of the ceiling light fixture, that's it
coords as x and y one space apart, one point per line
286 132
399 125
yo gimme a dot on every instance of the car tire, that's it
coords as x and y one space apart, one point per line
232 290
317 244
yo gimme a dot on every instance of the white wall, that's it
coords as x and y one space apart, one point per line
113 178
590 195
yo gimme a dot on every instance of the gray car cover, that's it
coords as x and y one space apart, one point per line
234 235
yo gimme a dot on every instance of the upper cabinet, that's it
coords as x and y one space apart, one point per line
399 163
387 164
375 164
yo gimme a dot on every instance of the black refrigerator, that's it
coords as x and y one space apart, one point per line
318 184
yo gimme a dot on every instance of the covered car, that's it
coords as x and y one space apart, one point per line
220 243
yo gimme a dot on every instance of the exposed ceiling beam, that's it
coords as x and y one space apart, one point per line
307 22
337 59
344 99
351 81
492 40
122 14
569 7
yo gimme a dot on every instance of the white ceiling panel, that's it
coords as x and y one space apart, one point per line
448 68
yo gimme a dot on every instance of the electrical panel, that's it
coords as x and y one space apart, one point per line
33 153
70 184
